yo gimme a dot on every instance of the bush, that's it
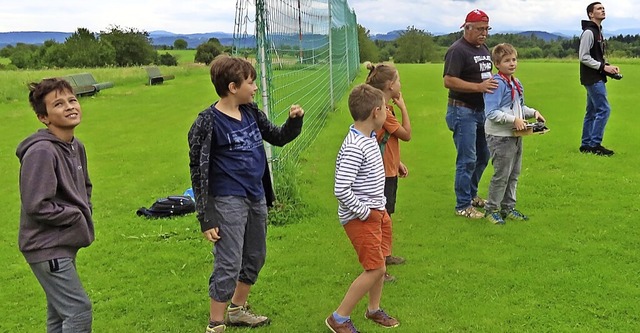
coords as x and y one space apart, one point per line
168 60
206 52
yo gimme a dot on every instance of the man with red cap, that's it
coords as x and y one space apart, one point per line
467 75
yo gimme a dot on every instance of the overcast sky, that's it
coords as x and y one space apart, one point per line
379 16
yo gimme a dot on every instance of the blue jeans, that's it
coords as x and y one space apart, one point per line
597 115
473 155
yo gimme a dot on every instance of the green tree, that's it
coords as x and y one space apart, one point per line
180 44
216 42
206 52
82 49
368 49
23 56
6 51
414 46
132 46
55 56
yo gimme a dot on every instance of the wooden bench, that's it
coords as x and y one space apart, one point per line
155 77
84 84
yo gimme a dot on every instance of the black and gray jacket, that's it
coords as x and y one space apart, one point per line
591 54
200 136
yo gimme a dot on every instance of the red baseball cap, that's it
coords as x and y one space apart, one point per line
476 15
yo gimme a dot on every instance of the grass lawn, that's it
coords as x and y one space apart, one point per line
572 268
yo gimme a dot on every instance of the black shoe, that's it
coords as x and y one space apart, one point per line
602 151
586 149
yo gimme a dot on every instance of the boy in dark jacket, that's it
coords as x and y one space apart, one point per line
55 214
232 187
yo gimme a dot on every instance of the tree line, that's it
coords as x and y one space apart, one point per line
118 46
419 46
114 46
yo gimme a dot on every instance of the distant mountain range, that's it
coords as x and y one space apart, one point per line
546 36
161 37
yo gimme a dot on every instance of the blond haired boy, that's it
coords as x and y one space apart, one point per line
505 111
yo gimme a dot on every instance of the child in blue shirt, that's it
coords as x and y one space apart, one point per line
232 187
505 111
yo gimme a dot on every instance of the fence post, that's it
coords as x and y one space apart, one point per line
261 35
332 99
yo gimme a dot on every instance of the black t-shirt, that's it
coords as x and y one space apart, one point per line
469 63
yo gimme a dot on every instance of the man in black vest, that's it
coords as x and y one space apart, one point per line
593 76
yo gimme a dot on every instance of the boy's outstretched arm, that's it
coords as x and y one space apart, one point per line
280 135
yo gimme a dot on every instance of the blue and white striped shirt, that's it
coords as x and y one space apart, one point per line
359 178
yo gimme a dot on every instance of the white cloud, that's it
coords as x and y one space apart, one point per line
379 16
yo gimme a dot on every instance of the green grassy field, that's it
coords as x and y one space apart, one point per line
572 268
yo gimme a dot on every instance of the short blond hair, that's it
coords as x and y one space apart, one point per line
363 99
502 50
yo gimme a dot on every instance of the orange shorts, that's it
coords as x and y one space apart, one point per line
371 238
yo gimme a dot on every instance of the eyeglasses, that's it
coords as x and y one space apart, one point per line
482 29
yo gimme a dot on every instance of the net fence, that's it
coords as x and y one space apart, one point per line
306 52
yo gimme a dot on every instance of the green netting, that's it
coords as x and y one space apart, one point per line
306 53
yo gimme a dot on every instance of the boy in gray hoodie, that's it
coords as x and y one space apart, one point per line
505 112
55 214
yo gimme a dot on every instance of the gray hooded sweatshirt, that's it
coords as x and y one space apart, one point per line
55 192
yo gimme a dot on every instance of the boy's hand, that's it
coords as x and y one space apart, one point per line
519 124
211 234
402 170
539 116
296 111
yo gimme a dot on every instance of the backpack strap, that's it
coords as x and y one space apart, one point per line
383 142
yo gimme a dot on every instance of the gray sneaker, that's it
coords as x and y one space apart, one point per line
241 316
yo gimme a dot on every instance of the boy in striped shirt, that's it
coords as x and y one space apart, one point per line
359 188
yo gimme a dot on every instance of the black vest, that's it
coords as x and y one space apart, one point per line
589 75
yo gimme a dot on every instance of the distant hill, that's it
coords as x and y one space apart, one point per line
546 36
31 37
161 37
389 36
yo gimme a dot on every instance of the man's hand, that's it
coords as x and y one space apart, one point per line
488 85
611 69
211 234
296 111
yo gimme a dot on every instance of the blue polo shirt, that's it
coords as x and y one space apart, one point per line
237 156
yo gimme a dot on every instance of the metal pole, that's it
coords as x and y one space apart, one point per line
300 31
261 34
333 105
